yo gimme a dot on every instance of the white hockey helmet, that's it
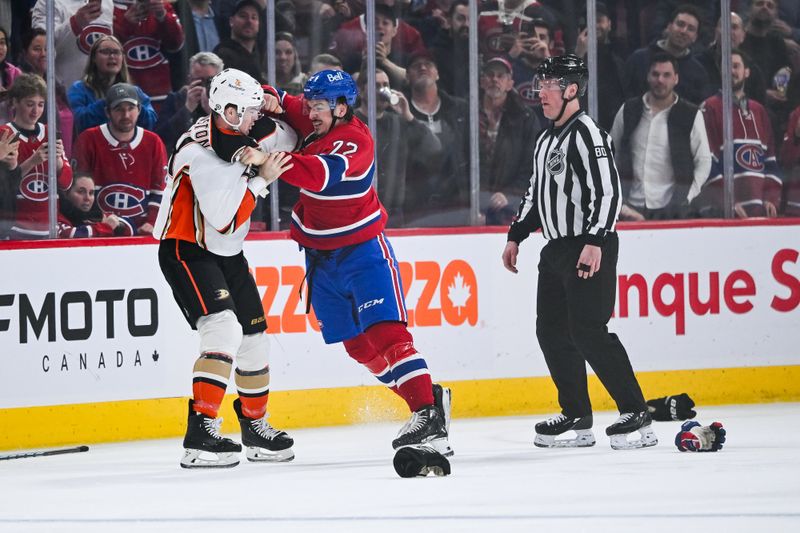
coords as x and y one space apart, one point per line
236 88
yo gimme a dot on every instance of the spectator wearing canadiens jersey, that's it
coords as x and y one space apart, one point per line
106 67
77 24
352 273
758 179
27 101
147 29
128 163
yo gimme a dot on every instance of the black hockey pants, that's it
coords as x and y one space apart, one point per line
571 325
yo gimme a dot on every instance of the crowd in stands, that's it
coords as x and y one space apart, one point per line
132 75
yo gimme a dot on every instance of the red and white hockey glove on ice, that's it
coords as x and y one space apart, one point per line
696 438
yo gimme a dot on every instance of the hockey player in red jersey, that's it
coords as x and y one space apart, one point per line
27 97
353 276
127 162
202 222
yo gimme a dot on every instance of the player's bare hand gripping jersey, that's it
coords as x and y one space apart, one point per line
208 199
338 205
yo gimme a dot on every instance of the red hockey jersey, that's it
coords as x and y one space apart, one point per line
757 177
129 177
31 220
790 158
338 205
144 44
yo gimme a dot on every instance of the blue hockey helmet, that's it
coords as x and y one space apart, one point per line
331 85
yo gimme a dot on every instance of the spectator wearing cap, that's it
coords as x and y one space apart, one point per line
183 107
148 31
106 67
77 24
241 50
610 89
396 42
507 131
680 34
402 141
442 191
450 48
128 163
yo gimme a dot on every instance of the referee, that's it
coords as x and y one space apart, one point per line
574 197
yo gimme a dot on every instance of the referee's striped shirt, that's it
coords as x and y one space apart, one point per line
575 188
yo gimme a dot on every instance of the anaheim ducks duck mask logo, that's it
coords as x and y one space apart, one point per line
555 161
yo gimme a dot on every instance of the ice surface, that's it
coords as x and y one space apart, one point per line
343 480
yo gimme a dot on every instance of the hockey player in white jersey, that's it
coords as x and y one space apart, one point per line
203 220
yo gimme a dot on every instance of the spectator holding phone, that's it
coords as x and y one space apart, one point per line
183 107
28 96
77 24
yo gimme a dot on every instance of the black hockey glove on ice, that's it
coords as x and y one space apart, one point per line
668 408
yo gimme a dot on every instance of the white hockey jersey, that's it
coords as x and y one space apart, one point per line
209 196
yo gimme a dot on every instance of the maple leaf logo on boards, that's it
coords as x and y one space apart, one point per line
458 292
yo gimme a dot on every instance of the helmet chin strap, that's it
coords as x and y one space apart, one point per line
564 102
234 127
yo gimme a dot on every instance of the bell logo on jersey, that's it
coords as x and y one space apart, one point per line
121 199
143 52
89 35
34 187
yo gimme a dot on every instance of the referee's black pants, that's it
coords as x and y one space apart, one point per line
571 325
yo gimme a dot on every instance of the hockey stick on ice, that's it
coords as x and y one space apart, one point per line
44 453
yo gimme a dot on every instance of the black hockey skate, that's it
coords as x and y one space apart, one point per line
263 442
626 424
548 430
442 399
426 427
204 446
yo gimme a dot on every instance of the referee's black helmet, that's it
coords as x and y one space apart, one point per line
567 69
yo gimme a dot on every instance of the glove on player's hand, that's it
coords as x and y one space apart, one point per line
668 408
696 438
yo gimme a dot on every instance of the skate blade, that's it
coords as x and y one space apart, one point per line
202 459
262 455
648 439
584 439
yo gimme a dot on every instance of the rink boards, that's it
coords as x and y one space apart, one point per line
94 348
